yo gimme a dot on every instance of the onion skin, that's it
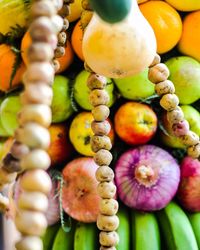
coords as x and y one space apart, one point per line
153 193
189 189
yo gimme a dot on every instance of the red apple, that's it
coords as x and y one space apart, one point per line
135 123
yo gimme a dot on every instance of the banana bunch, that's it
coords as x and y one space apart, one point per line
169 229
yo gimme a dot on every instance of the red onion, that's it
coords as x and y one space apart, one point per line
189 188
147 178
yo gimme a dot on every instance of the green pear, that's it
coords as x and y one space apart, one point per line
185 74
135 87
81 90
61 104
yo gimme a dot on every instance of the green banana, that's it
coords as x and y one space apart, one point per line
195 222
124 229
63 240
176 228
145 231
86 237
49 236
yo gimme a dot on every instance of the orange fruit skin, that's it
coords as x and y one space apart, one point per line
7 60
189 43
77 39
65 61
166 23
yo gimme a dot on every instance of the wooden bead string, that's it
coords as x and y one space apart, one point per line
158 74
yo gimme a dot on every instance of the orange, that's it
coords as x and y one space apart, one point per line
189 43
166 23
7 60
76 40
65 61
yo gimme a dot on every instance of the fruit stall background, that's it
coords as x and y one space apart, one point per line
140 132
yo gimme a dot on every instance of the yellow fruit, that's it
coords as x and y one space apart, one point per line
185 5
75 11
166 23
189 43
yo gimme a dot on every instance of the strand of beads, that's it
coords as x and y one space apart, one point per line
107 220
158 74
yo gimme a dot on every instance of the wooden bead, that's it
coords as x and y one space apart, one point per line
11 164
158 73
40 52
30 222
39 113
181 128
101 128
108 239
100 142
107 223
19 150
43 8
36 180
62 38
56 65
4 203
156 60
106 190
108 206
39 71
59 52
65 11
29 243
165 87
100 113
33 135
96 81
194 151
99 97
103 157
57 23
6 177
104 173
175 116
65 24
34 201
190 139
37 158
169 102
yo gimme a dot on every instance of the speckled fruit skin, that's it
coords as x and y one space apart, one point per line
135 123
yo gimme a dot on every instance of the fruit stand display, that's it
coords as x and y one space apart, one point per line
100 124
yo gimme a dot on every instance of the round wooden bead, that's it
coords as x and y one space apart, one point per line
65 24
4 203
34 201
39 113
108 206
190 139
39 72
101 128
37 158
175 116
165 87
56 65
29 243
40 52
33 135
158 73
30 222
169 102
103 157
65 11
100 113
107 223
106 190
98 97
108 239
104 173
6 177
19 150
100 142
11 164
180 128
194 151
62 38
156 60
43 8
57 23
36 180
96 81
59 51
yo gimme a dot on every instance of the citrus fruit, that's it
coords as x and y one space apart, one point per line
186 5
75 11
76 40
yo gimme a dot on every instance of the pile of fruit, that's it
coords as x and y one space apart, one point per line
157 183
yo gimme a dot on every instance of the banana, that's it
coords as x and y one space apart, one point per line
176 229
145 231
124 229
63 240
195 222
49 236
86 237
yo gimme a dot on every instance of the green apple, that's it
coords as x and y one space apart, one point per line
81 91
185 74
61 104
171 141
135 87
193 117
3 132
